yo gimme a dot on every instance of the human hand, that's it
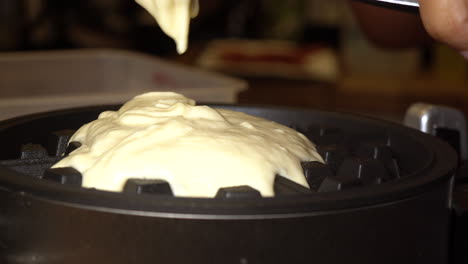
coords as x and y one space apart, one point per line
447 21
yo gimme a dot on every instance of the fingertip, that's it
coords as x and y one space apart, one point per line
446 21
464 54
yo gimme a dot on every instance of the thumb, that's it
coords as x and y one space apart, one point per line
447 21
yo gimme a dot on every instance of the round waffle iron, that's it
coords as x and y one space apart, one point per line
382 197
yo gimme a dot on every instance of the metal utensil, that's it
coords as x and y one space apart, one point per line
411 5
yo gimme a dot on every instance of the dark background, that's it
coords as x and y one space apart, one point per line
372 80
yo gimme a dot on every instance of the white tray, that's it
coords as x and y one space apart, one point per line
41 81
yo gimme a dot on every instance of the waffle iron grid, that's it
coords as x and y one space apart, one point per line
351 161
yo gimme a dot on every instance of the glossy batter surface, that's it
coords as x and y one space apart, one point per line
197 149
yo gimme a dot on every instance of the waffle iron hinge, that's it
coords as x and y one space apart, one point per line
449 124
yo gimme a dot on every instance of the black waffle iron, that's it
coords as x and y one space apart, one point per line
384 196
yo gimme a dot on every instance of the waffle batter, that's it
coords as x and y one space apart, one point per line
173 16
197 149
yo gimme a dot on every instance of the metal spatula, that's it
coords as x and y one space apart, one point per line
397 4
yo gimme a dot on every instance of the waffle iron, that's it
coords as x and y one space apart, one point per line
384 196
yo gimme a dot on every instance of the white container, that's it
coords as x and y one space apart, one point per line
48 80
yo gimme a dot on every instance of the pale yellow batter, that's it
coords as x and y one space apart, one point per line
197 149
173 16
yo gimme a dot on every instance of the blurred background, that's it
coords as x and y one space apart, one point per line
301 53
